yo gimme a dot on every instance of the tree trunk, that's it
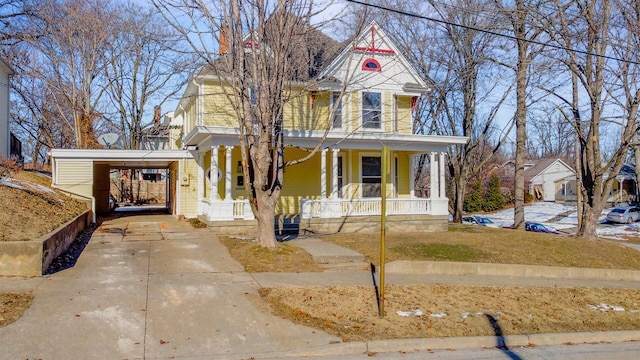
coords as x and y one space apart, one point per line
459 200
265 215
521 133
590 218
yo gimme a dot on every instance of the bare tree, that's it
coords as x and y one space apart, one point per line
550 135
75 36
34 111
15 19
144 65
265 53
521 17
463 99
600 42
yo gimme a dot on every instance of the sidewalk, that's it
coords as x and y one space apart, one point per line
151 287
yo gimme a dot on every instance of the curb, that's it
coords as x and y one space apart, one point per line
460 268
456 343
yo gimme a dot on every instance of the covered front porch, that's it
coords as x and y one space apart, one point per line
337 185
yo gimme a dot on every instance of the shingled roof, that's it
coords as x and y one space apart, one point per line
539 166
311 50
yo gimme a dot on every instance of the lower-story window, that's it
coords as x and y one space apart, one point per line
371 176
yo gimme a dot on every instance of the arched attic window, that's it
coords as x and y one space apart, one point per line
371 65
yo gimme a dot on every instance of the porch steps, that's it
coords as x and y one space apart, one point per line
330 255
287 224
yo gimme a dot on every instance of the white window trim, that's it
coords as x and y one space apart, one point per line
360 183
342 191
342 111
361 119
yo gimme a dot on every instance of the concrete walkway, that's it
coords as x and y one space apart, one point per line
151 287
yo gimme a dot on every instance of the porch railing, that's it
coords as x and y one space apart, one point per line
226 209
332 208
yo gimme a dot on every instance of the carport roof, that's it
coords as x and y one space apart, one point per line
139 159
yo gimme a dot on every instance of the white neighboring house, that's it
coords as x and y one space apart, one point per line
5 133
547 179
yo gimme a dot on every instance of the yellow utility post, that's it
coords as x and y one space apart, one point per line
383 223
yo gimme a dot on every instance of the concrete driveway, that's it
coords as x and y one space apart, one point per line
150 287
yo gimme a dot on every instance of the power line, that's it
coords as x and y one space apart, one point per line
512 37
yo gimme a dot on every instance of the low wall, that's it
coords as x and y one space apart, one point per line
371 224
32 258
231 227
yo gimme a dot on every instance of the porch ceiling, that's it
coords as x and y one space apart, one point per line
205 135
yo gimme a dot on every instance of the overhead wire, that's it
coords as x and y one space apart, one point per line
494 33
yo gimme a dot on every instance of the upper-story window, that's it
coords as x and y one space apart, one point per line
371 110
336 106
371 65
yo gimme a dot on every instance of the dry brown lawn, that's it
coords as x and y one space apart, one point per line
284 258
351 312
12 306
29 214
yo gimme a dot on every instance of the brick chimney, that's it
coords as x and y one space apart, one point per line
156 116
224 39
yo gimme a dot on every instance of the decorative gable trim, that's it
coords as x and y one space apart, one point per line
371 65
373 48
370 44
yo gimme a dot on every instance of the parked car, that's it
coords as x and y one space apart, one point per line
478 220
536 227
624 214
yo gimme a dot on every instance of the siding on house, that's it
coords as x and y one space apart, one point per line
188 175
544 174
75 176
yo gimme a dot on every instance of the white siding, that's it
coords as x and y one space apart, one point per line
75 176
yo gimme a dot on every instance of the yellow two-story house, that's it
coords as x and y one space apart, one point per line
373 90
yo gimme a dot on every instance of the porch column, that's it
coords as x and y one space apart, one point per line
227 172
412 175
214 173
433 177
334 173
201 182
323 174
620 181
443 190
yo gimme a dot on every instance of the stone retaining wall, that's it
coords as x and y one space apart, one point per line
32 258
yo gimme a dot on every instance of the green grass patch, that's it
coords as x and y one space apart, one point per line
489 245
439 251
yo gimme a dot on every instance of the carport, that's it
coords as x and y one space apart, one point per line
84 173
